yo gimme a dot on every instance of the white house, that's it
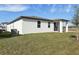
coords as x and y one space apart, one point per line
27 24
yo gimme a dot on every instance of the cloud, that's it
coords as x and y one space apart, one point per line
37 7
61 8
53 8
57 8
13 8
68 9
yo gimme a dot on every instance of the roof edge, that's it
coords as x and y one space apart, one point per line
44 19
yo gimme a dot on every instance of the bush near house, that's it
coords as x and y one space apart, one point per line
5 34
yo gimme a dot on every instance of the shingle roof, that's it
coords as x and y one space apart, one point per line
36 18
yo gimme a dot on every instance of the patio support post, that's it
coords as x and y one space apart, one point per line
61 27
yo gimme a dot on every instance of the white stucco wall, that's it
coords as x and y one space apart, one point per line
16 25
26 26
30 26
8 28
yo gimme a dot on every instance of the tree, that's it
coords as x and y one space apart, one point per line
76 20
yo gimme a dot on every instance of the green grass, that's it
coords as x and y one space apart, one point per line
40 44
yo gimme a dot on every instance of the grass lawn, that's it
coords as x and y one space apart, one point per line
40 44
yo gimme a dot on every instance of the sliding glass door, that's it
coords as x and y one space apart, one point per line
56 26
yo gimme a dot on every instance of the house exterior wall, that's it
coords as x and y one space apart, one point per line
8 27
15 25
30 26
26 26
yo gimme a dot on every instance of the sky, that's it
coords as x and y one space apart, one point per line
9 12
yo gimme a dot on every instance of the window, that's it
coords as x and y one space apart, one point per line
38 24
48 24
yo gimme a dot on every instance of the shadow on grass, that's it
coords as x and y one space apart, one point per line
73 37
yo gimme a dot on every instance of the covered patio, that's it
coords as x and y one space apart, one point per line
61 25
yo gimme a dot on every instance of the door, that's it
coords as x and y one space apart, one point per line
56 26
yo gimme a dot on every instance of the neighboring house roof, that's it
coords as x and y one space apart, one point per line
4 23
36 18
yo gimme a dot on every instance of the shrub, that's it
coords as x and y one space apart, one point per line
5 34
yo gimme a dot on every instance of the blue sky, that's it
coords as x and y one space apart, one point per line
9 12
